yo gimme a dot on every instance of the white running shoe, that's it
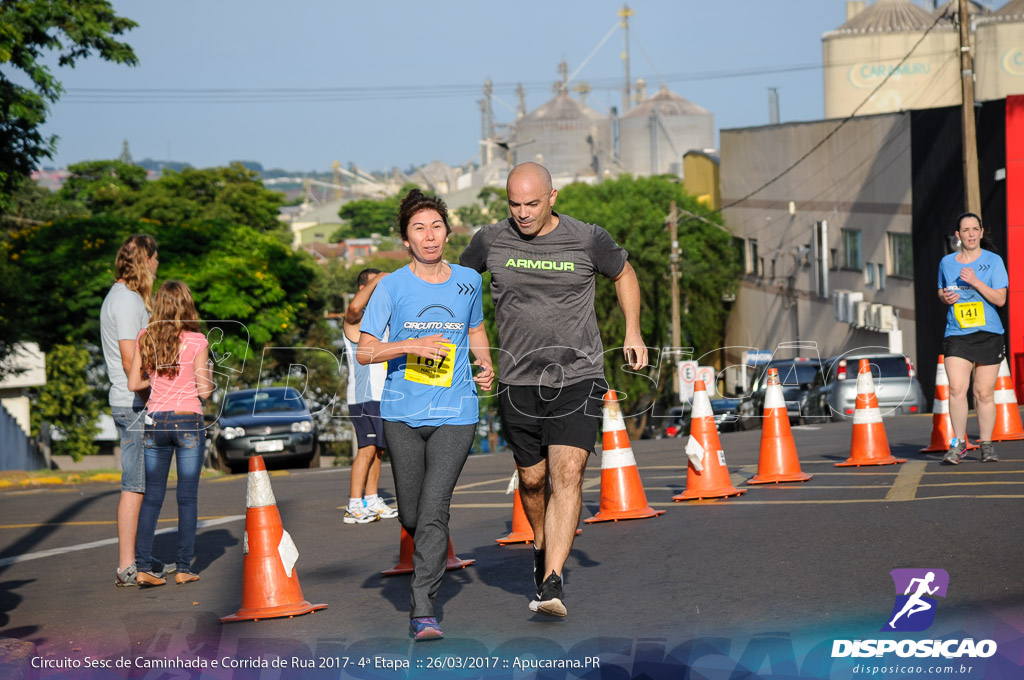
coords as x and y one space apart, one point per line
382 509
360 516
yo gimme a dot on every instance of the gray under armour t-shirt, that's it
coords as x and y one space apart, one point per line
122 315
543 290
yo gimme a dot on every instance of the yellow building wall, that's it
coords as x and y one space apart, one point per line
701 179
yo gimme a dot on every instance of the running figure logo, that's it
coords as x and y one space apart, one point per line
914 609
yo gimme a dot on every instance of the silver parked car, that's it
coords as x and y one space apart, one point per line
834 395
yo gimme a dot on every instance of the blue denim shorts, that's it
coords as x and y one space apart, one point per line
130 423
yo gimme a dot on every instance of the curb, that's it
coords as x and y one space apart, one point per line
15 660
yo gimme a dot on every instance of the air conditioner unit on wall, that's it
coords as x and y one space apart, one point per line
874 316
887 320
839 305
853 298
863 311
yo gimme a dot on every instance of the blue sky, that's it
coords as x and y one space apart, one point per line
393 82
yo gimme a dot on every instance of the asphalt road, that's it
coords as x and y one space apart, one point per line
760 583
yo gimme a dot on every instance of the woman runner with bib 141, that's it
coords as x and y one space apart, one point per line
973 282
433 314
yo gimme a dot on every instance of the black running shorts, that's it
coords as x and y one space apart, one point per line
534 418
981 347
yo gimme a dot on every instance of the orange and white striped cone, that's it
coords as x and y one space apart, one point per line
270 584
942 425
406 547
622 492
706 473
777 461
522 532
1008 425
868 444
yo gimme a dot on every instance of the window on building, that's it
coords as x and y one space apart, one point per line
881 276
833 258
851 249
901 255
869 275
753 261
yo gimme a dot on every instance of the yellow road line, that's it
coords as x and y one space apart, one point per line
86 524
502 480
907 481
973 483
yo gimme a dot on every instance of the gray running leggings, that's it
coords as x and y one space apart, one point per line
426 463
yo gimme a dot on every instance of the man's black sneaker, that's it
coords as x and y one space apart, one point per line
538 567
549 597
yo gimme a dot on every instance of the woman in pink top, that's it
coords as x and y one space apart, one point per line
173 361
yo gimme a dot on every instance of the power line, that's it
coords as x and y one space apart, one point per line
843 122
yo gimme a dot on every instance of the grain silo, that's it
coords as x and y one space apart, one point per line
568 138
654 134
999 52
872 44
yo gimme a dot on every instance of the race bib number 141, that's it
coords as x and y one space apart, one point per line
969 314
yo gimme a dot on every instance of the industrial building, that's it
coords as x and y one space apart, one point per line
875 39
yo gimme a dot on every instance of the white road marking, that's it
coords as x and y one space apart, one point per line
107 541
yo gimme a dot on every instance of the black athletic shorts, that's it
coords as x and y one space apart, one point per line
534 418
981 347
369 427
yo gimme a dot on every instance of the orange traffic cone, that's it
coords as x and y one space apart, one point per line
868 445
1008 425
407 547
778 461
270 584
622 492
706 473
942 426
522 532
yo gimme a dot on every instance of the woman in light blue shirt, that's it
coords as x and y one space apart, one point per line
433 314
973 282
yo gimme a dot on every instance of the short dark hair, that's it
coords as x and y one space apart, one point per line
965 215
364 276
416 201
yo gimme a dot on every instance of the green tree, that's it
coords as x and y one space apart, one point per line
98 187
633 210
68 402
31 30
368 216
229 193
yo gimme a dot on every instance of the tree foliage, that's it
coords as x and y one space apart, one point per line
68 402
634 210
368 216
491 207
247 283
231 193
31 30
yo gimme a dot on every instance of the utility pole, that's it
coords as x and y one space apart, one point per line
972 191
625 13
673 227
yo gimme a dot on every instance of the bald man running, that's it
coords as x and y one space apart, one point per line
551 369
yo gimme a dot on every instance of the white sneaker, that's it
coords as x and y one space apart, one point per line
360 516
382 509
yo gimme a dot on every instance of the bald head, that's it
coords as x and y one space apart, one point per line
531 199
532 173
